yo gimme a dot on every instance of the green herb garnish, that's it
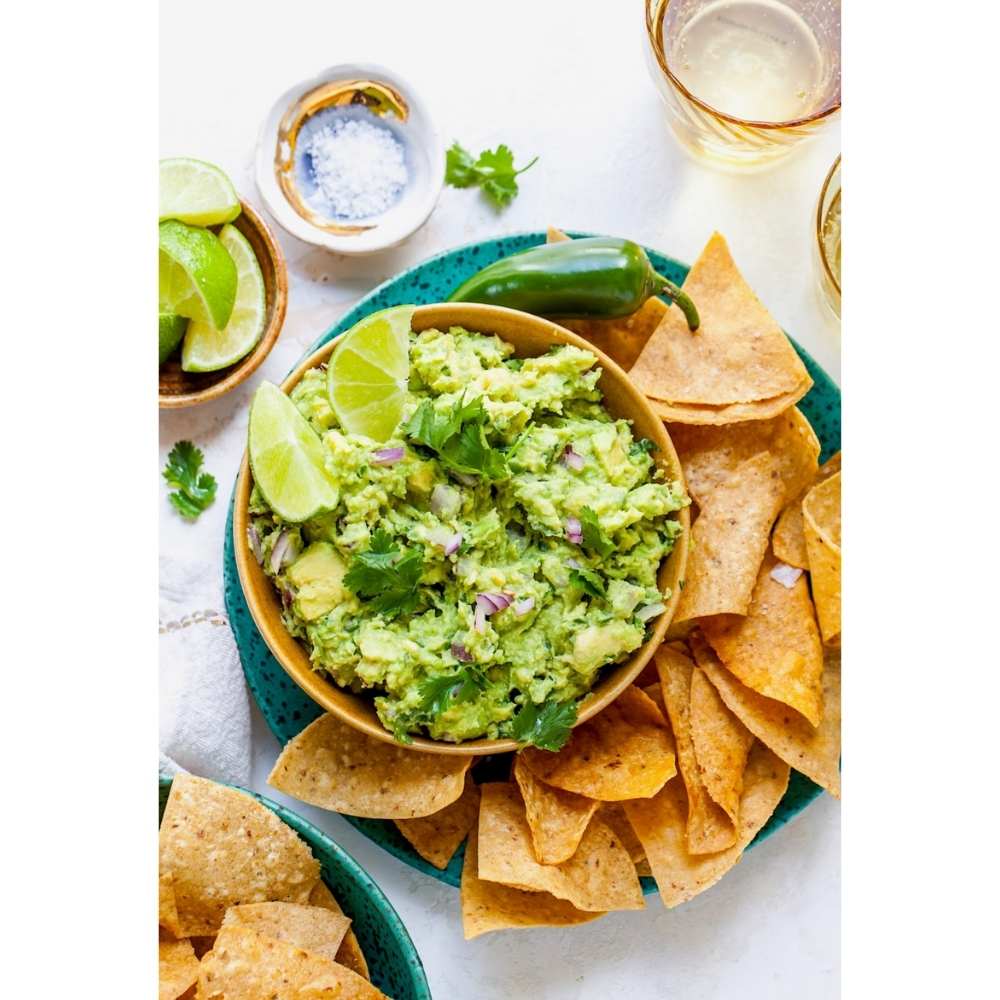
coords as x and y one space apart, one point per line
193 490
546 726
588 581
438 694
458 436
494 172
386 576
593 536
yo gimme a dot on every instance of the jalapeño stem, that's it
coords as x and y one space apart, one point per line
682 299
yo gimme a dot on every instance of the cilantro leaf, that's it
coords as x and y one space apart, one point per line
642 447
193 490
593 536
588 581
438 694
546 726
387 577
493 171
459 438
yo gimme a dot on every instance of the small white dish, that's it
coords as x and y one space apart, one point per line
350 90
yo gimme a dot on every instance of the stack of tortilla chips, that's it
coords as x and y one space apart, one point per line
678 775
243 911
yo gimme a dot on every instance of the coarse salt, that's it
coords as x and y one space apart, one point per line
359 168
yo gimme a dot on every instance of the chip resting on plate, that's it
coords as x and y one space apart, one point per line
245 965
490 906
775 647
815 751
436 837
721 744
623 752
660 824
349 953
821 519
622 338
332 765
178 968
315 928
612 815
600 876
556 818
709 827
739 365
789 539
222 847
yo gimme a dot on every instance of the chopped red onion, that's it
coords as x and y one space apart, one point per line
571 459
786 575
573 564
255 544
521 608
444 500
282 552
451 546
465 479
460 653
286 598
479 619
388 456
574 530
644 614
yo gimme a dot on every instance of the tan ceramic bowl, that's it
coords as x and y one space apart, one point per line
180 388
529 336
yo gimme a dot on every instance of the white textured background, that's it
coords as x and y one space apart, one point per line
565 80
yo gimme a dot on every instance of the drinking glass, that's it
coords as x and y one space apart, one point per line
827 243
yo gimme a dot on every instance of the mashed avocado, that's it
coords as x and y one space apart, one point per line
497 552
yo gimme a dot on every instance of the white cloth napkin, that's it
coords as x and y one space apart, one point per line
204 704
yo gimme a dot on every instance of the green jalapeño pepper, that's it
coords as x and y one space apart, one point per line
599 277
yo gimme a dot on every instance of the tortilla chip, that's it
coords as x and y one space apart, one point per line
349 953
789 539
821 517
735 413
775 648
490 906
624 752
814 752
557 819
711 455
315 928
436 837
729 538
169 920
600 876
612 815
660 823
721 744
739 354
622 338
202 944
245 965
178 968
223 847
709 827
332 765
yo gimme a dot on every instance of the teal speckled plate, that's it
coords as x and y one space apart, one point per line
288 710
393 962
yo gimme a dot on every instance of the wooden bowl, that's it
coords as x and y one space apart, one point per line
179 388
530 336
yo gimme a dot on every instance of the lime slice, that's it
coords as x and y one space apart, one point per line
196 192
197 275
172 329
286 456
207 349
367 376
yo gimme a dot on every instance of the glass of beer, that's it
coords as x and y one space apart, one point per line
745 81
827 244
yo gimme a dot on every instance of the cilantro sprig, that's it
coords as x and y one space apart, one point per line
588 581
493 171
438 694
546 726
386 576
593 535
193 490
458 436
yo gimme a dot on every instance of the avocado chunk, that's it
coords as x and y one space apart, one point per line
597 644
318 578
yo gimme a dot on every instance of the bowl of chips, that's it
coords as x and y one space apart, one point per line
252 896
530 336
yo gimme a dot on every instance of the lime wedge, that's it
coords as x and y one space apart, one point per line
368 372
207 349
196 192
286 456
197 275
172 329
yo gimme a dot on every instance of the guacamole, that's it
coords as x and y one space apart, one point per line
492 557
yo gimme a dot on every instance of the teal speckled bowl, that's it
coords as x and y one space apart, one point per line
288 710
393 962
